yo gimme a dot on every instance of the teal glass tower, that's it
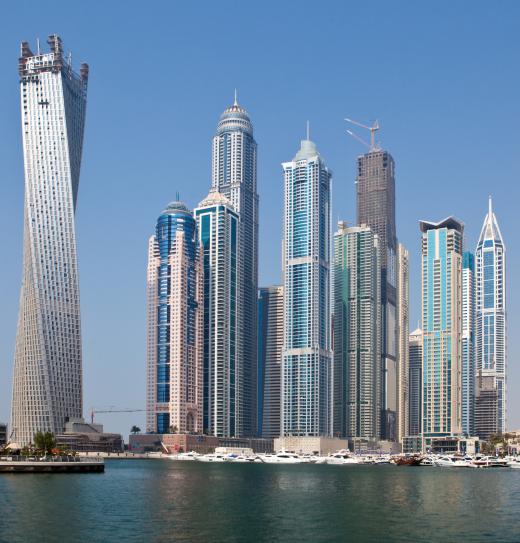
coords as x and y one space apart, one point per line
307 356
357 333
442 329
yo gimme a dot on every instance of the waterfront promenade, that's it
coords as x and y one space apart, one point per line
165 501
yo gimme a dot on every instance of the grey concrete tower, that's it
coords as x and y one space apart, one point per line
375 184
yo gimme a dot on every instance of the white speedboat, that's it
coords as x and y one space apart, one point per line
450 461
514 463
281 458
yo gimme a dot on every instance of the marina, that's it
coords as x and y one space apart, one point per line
164 500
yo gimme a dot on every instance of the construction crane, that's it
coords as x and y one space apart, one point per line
112 410
373 146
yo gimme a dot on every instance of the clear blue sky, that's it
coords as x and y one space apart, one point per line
441 77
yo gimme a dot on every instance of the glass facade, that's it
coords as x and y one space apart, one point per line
307 357
174 388
357 334
442 318
223 366
234 176
490 316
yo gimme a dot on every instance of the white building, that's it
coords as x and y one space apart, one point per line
47 380
223 362
491 345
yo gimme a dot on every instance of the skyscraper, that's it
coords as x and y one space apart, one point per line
270 345
403 303
442 332
491 345
375 184
174 325
47 380
415 346
223 363
307 356
468 344
234 175
357 333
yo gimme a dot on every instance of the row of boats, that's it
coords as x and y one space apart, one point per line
345 457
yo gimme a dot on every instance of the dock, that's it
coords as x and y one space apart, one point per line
51 464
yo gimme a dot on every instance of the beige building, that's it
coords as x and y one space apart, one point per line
403 304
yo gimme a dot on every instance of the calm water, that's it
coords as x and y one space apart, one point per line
161 500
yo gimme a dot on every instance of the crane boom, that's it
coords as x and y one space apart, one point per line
94 411
373 129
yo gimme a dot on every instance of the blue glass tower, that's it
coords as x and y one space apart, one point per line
307 356
174 351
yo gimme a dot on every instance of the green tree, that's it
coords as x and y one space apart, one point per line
45 441
173 429
135 429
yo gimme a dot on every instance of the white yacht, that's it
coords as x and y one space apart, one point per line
281 458
212 457
192 455
451 461
342 457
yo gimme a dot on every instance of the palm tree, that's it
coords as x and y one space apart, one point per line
135 430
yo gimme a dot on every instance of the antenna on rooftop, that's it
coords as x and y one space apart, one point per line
38 45
373 129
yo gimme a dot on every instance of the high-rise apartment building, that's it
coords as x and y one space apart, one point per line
442 327
234 175
468 344
491 345
415 346
403 330
223 362
375 184
357 334
47 380
270 346
174 325
307 356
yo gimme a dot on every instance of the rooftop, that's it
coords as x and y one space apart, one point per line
449 222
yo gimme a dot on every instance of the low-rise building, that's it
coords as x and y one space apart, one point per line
454 444
310 444
81 436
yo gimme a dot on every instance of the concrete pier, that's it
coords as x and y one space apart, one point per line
53 464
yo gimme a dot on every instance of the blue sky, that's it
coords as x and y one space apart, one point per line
441 77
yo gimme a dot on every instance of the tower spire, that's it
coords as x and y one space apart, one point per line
235 103
490 203
308 130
